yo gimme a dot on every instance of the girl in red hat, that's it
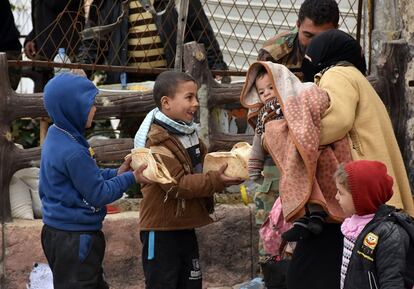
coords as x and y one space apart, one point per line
378 239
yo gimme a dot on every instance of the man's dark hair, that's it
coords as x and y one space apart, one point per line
166 84
320 11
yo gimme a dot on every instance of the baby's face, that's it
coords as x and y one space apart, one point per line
264 88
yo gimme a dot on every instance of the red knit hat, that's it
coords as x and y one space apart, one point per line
369 184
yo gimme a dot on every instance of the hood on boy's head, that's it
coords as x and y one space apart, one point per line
68 99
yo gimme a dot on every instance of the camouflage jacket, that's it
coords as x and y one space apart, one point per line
284 48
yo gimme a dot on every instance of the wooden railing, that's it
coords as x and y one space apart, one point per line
389 83
14 106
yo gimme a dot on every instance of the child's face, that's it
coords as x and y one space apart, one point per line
184 104
264 87
344 198
90 117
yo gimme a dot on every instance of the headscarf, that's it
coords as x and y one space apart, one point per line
328 49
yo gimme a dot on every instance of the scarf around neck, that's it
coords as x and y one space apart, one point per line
155 114
353 226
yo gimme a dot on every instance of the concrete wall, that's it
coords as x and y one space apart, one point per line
241 27
227 249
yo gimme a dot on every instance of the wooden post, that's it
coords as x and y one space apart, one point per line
212 95
195 62
14 106
6 145
4 148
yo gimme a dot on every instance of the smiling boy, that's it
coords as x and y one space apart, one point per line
170 212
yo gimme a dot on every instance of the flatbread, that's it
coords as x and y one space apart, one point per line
155 171
242 150
237 160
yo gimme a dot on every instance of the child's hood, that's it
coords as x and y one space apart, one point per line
285 84
68 99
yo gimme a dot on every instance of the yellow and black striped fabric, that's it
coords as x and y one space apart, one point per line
145 49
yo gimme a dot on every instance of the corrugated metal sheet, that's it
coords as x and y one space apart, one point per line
241 27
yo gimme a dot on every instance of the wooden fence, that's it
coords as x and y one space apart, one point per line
14 106
389 83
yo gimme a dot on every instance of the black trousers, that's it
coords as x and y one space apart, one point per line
316 262
175 264
75 258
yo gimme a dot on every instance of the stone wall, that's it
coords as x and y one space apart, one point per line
406 13
394 20
227 249
387 26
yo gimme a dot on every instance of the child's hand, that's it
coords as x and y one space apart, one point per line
126 166
228 181
139 176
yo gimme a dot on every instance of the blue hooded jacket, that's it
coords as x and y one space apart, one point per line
73 190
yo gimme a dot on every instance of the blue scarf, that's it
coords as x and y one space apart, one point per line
141 135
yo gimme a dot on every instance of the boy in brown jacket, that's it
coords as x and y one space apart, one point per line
170 212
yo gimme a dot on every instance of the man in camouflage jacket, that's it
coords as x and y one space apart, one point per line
288 48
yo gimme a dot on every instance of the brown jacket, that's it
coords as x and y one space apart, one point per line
177 206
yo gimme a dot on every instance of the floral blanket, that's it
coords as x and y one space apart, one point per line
306 168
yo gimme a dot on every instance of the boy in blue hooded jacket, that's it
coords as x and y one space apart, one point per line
73 190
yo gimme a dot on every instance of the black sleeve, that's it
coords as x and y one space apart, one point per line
32 33
391 257
200 30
